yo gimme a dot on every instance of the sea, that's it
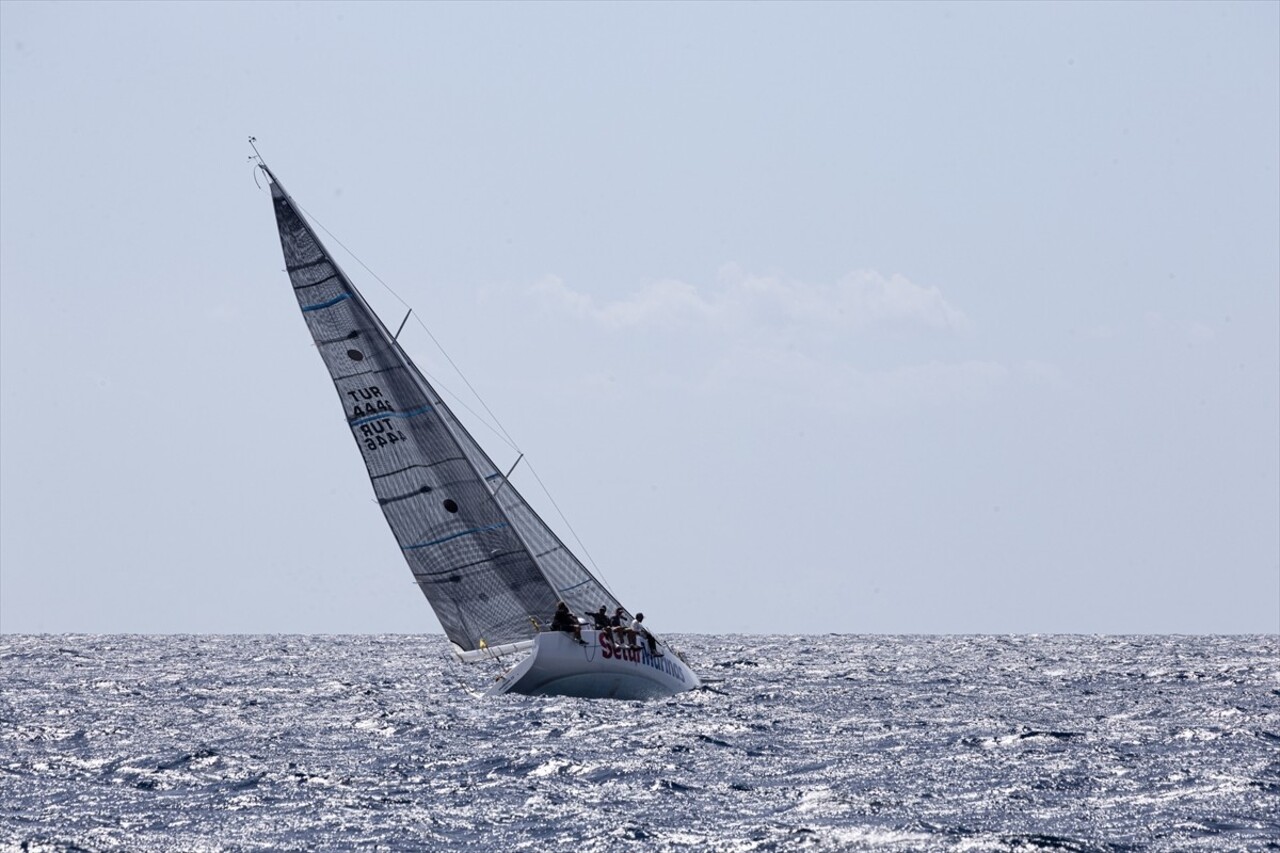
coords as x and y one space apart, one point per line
798 742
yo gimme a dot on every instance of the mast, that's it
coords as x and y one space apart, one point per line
469 555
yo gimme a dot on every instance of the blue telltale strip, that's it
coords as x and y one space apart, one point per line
454 536
334 301
421 410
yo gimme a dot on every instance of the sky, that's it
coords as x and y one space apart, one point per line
859 318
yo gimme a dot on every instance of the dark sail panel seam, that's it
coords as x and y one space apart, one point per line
337 378
453 571
417 493
398 471
424 467
324 280
307 265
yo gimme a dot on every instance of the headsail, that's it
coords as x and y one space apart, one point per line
486 562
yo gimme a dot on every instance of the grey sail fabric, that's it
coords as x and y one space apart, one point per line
570 578
470 551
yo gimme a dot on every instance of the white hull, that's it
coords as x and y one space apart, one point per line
600 669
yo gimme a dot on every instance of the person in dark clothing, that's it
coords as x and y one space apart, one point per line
619 625
565 621
600 617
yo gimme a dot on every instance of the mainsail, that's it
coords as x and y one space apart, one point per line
486 562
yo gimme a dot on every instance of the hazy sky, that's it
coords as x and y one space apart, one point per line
832 317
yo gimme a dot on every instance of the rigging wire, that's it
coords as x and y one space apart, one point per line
505 435
599 575
496 427
500 431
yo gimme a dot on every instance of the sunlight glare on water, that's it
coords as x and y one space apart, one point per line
837 742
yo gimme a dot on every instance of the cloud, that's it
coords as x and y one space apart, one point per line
664 303
740 301
860 299
750 334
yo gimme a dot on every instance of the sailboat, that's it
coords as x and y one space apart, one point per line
492 570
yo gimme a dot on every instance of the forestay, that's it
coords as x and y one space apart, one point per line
487 563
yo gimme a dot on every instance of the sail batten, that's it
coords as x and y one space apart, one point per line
470 556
